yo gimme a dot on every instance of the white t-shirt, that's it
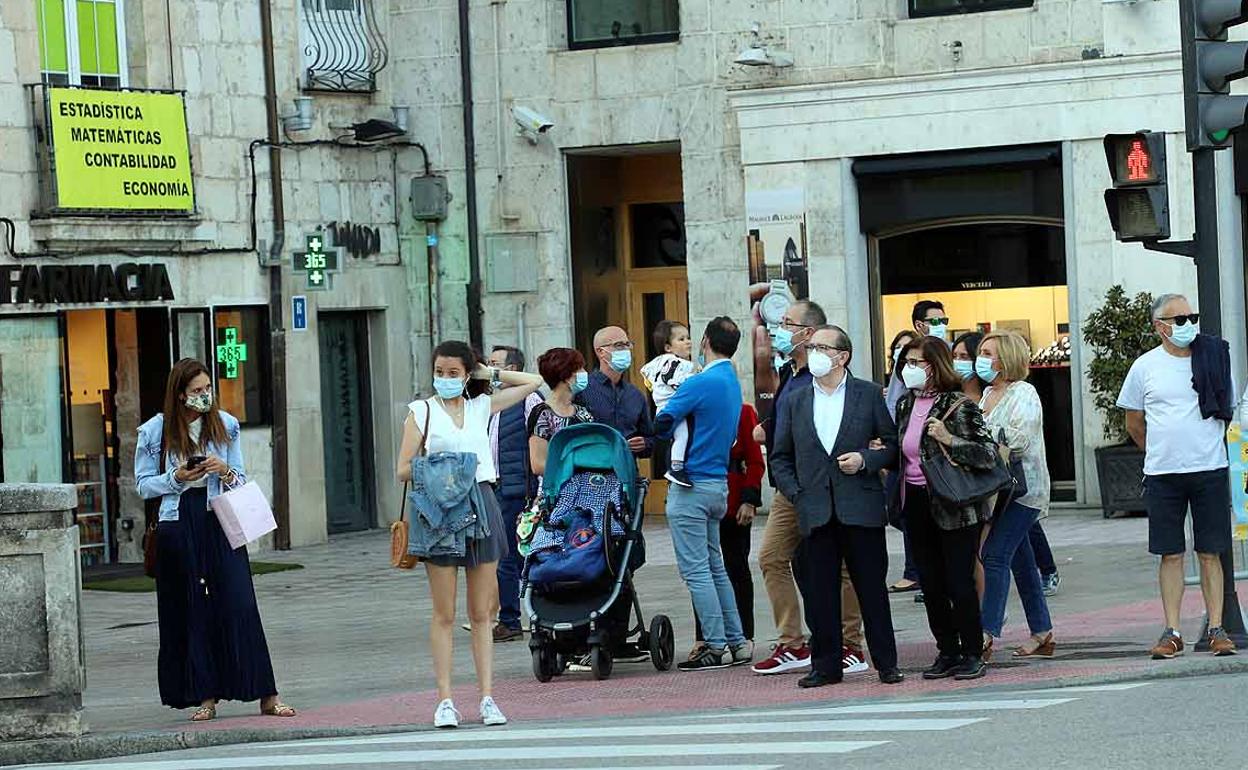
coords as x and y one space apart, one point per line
1179 439
445 436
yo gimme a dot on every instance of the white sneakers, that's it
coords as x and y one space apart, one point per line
491 714
448 716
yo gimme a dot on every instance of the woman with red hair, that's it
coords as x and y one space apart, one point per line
563 369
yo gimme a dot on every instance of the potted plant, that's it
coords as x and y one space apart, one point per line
1119 332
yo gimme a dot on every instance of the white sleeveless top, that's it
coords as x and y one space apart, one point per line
445 436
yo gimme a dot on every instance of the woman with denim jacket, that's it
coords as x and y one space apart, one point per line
212 644
457 419
935 418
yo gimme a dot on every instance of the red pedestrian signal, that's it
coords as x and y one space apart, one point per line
1138 203
1139 162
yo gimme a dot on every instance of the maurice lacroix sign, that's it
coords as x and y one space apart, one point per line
83 284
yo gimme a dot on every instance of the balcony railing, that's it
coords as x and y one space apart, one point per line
343 46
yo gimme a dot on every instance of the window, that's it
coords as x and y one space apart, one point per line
82 42
243 366
343 49
601 23
919 8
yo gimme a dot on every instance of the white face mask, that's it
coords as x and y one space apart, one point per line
820 363
914 377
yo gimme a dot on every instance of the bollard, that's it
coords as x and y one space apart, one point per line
42 669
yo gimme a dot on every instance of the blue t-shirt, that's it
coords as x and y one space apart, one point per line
711 401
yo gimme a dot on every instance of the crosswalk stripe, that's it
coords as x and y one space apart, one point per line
1119 687
479 735
908 707
500 754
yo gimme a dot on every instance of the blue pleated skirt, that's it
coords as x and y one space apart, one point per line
212 643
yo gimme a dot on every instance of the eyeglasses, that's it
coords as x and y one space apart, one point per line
1181 320
825 349
621 345
936 321
794 325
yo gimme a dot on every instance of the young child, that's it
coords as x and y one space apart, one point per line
663 376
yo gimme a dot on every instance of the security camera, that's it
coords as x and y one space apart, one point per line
531 121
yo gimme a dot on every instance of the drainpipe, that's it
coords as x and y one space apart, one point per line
470 172
277 330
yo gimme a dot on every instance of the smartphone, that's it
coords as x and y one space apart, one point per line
195 462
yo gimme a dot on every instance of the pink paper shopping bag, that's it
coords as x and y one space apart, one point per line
244 514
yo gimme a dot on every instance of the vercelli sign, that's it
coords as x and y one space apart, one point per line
120 150
83 284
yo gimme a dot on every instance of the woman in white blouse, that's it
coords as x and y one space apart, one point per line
1012 410
457 419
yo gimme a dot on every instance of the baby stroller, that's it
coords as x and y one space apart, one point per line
578 576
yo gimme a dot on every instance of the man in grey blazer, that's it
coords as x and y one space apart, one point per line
823 462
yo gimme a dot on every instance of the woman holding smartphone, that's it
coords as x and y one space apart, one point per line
212 645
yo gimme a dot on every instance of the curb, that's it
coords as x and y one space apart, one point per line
94 747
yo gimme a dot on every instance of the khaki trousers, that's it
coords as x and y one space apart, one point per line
781 537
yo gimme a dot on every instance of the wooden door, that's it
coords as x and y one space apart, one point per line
652 295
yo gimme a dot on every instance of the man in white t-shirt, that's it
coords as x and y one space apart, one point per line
1185 465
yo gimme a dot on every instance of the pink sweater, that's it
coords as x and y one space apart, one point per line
912 472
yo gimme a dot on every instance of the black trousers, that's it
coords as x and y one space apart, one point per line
863 551
734 542
946 561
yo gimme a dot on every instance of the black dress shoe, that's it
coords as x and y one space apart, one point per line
971 668
892 676
817 679
945 666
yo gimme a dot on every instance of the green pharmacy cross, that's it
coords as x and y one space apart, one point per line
317 262
231 352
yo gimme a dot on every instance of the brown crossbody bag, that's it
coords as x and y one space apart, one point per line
399 530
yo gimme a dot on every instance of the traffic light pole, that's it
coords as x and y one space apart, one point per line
1209 297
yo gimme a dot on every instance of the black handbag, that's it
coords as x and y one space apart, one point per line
960 487
1018 480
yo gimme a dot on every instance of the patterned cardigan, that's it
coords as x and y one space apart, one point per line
972 447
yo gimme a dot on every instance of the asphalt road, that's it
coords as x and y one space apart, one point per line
1178 723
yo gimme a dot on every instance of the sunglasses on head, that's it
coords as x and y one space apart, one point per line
1181 320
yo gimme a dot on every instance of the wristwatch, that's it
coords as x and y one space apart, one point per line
775 303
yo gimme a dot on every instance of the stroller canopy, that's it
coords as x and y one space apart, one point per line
589 446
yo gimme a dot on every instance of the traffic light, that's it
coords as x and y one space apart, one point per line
1139 202
1210 63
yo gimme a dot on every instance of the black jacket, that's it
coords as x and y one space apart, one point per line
811 478
1211 377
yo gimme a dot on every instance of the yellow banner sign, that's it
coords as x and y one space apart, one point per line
120 150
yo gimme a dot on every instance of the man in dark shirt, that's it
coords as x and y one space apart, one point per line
613 400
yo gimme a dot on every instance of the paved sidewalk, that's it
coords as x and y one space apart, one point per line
348 637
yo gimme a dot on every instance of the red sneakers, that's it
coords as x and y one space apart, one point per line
853 661
784 659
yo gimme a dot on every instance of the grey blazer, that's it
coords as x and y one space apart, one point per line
811 478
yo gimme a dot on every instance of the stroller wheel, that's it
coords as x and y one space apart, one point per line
662 642
543 665
600 662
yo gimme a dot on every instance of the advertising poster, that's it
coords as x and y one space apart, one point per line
1237 450
776 245
776 221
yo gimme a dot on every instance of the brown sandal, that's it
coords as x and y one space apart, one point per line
1044 648
204 714
279 709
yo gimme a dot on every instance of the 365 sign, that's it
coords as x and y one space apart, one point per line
317 262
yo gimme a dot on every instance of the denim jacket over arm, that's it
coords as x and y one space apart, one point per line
151 482
447 507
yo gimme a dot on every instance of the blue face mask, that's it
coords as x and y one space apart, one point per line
983 367
965 369
621 360
701 360
782 340
777 363
581 382
448 387
1182 337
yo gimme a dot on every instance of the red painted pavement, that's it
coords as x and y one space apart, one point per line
639 690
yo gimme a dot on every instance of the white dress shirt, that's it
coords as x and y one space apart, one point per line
829 410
